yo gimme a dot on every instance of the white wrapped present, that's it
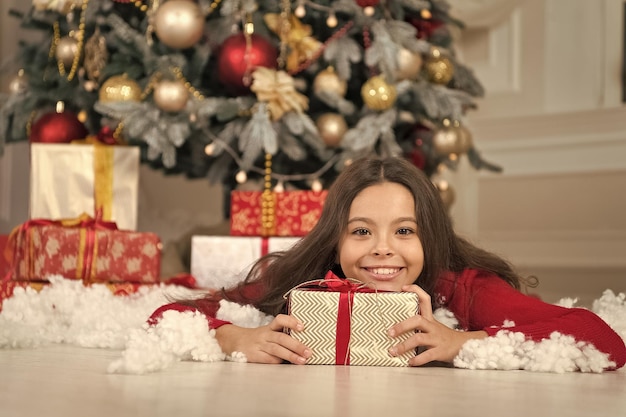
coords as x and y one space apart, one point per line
67 180
224 261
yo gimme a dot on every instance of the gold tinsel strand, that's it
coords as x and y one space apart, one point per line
80 38
268 213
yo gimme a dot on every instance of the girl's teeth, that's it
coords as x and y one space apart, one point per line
384 271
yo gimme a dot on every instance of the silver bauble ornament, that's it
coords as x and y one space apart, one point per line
328 81
170 95
409 64
179 24
66 50
332 127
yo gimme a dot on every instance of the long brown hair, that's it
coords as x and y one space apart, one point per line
316 253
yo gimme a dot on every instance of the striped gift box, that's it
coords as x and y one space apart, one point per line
346 323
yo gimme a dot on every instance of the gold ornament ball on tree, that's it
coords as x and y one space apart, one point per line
332 127
65 51
439 68
119 88
328 81
170 95
378 94
179 24
464 138
409 64
447 140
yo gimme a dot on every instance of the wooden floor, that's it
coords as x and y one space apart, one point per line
71 382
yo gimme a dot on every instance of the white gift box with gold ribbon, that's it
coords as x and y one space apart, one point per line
67 180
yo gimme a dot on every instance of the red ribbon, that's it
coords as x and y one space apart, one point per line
265 246
347 288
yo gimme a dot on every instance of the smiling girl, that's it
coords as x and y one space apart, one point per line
384 224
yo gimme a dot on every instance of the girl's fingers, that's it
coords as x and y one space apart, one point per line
283 321
290 344
425 306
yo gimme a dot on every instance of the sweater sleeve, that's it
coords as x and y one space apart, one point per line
486 302
209 305
203 308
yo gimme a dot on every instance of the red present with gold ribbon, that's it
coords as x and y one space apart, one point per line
346 322
288 213
67 180
84 248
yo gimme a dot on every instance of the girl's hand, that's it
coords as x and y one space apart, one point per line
265 344
442 342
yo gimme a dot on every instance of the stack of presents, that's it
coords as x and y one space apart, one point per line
83 206
83 221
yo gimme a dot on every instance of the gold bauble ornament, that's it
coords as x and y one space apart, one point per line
447 140
170 95
65 51
409 64
19 83
378 94
464 138
328 81
439 68
119 88
446 193
332 127
179 24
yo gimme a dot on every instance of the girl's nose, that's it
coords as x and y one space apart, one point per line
382 248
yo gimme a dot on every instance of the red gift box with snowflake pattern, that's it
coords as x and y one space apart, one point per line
291 213
84 249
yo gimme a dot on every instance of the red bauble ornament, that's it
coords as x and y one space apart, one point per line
233 65
57 128
367 3
425 27
105 135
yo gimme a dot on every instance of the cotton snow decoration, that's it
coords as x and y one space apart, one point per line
68 312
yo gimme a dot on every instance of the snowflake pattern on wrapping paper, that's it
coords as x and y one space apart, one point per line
133 265
296 212
69 263
52 247
149 250
117 250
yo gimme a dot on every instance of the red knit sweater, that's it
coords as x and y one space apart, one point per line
481 301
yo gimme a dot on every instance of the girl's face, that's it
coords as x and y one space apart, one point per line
380 245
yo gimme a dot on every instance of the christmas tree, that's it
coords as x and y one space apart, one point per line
234 90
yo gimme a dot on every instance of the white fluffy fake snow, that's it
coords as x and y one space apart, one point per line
68 312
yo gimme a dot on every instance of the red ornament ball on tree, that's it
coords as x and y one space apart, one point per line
106 136
57 128
234 62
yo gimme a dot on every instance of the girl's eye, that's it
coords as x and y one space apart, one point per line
360 231
405 231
